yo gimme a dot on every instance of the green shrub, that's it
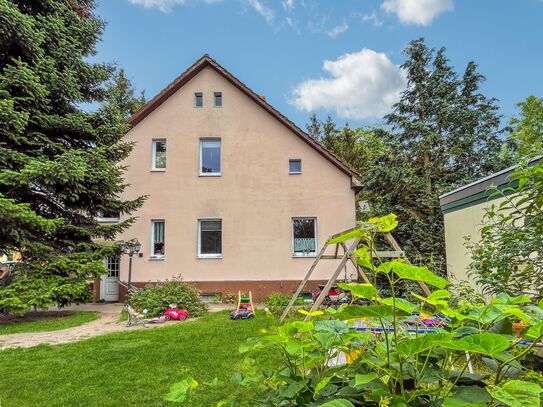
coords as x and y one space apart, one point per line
156 298
230 298
396 367
277 302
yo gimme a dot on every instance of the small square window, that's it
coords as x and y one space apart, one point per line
198 99
159 155
217 99
210 238
295 166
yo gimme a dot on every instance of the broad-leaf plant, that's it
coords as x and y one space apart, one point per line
327 361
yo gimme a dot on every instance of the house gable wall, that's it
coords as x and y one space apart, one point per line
255 196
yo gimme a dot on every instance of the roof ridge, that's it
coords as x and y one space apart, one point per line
200 64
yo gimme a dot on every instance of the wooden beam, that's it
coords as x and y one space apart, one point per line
387 253
303 283
332 280
390 239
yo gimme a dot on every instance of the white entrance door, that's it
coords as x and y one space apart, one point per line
109 283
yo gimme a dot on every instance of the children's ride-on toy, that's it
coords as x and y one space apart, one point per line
245 309
174 313
242 313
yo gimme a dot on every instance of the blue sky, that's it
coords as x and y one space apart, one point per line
335 57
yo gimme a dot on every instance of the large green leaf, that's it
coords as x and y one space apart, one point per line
473 396
517 393
535 331
321 385
400 303
180 391
411 347
338 403
486 344
385 223
369 311
363 257
361 379
292 390
503 298
347 236
437 296
415 273
367 291
333 326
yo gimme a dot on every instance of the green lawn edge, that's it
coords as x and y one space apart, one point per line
48 324
136 367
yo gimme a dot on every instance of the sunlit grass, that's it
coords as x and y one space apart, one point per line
42 322
134 368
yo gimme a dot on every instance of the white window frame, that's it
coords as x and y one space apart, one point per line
108 219
196 94
153 158
294 172
311 254
115 261
210 174
209 255
215 99
152 254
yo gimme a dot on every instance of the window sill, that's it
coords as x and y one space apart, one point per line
158 170
108 220
212 256
210 174
295 173
304 256
157 258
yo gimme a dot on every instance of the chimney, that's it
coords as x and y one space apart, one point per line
263 98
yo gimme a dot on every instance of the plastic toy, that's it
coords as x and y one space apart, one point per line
245 308
334 298
136 318
174 313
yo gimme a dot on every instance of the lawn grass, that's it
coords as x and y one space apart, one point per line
134 368
45 321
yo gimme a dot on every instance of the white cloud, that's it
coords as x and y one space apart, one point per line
288 5
361 85
372 18
334 32
165 5
420 12
263 10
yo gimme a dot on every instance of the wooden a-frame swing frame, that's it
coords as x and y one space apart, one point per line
397 252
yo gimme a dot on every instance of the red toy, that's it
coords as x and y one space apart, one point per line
174 313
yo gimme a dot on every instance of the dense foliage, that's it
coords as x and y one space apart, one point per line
156 298
526 138
392 360
508 258
60 163
277 303
443 133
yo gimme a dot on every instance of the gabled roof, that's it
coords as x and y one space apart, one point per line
206 61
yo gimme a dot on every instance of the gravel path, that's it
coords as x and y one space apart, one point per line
107 322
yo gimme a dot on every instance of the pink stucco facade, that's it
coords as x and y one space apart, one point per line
255 197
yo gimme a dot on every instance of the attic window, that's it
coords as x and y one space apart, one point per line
198 99
295 166
217 99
